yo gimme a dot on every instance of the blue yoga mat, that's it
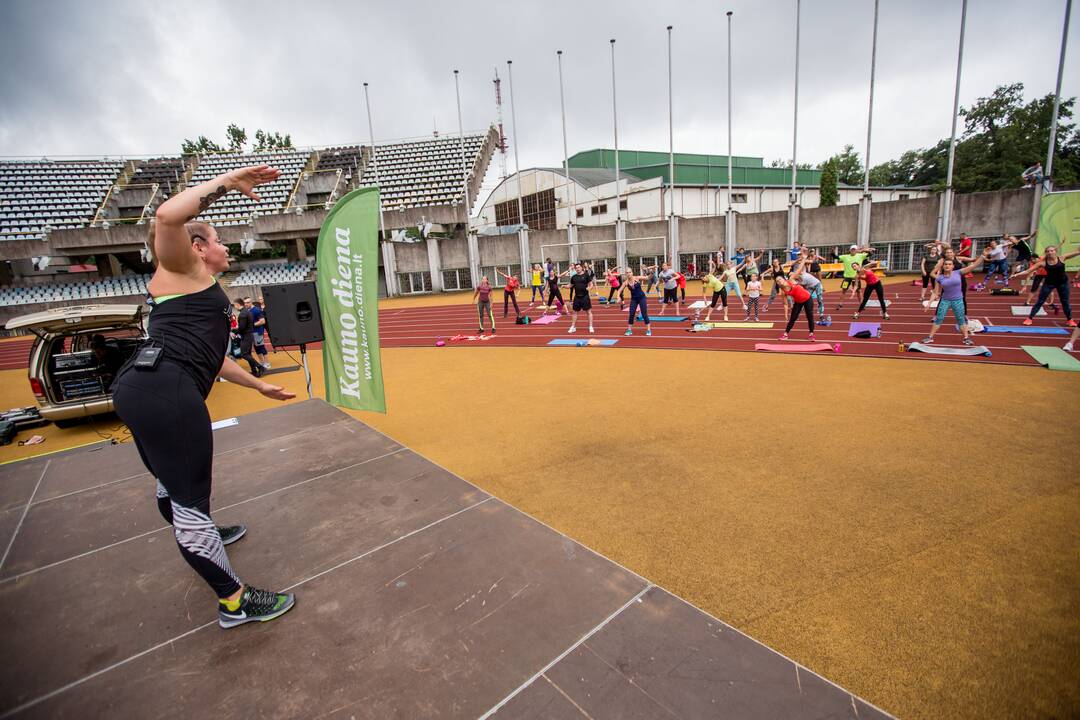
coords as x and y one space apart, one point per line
581 342
665 318
1020 330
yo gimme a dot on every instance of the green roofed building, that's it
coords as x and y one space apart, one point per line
591 196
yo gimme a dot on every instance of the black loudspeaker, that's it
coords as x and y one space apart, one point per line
292 314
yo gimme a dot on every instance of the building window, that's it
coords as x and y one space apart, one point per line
539 210
580 212
413 283
738 198
459 279
622 204
598 209
904 196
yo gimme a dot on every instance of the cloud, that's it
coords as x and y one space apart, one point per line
132 78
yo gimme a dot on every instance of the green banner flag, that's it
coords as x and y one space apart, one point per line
348 282
1059 221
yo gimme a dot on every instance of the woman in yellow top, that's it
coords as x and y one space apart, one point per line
719 292
537 283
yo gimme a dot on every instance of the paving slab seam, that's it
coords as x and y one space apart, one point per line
603 623
649 584
146 472
223 507
26 509
142 653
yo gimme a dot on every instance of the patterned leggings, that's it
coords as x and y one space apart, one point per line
752 305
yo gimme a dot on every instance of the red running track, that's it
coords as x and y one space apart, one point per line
423 326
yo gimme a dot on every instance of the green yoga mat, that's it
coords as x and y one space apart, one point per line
1052 357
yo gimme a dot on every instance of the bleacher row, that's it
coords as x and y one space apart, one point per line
40 195
274 273
66 292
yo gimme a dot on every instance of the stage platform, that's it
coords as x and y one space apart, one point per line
418 596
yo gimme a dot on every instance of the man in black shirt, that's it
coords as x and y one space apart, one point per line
581 280
109 359
245 329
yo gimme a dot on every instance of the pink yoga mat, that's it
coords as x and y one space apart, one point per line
796 347
545 319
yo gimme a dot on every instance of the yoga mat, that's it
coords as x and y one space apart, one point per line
699 305
763 325
796 347
1026 310
666 318
874 328
582 342
545 319
934 350
875 304
1021 330
1052 357
926 303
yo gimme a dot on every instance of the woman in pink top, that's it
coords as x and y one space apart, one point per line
871 284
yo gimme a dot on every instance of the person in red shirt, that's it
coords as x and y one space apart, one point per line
871 284
681 280
965 246
510 293
801 302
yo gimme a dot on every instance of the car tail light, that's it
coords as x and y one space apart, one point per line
37 388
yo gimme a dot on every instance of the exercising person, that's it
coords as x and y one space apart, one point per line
801 302
928 264
872 284
1055 279
482 297
776 271
555 298
950 290
671 288
580 282
813 285
719 293
160 393
510 293
638 301
537 284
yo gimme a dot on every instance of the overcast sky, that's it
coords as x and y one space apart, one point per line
134 78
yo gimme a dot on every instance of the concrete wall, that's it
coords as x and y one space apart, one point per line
454 253
904 220
762 230
538 238
993 213
411 257
598 250
837 225
656 228
702 234
497 251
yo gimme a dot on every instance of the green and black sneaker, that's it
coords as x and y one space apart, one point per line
254 605
231 533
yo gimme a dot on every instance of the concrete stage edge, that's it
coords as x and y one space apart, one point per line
418 596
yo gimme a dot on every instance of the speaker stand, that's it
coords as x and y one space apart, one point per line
307 373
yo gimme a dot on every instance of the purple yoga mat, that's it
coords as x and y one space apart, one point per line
545 319
874 328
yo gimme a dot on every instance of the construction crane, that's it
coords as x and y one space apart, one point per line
501 144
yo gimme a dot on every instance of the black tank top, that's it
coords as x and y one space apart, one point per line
1055 274
194 332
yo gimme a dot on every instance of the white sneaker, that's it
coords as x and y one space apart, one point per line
591 329
1068 347
266 366
572 329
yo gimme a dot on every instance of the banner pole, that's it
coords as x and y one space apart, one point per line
307 372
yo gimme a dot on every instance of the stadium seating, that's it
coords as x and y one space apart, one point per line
54 194
348 159
274 273
78 292
425 172
167 172
236 209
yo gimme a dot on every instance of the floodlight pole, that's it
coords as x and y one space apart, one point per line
729 216
671 155
1049 167
570 234
864 204
464 165
615 121
946 213
513 121
793 199
388 250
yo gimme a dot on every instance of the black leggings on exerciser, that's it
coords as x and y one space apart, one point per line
808 308
1044 293
876 287
171 425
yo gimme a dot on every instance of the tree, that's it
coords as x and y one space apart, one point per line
781 163
829 194
272 141
237 137
849 167
200 145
